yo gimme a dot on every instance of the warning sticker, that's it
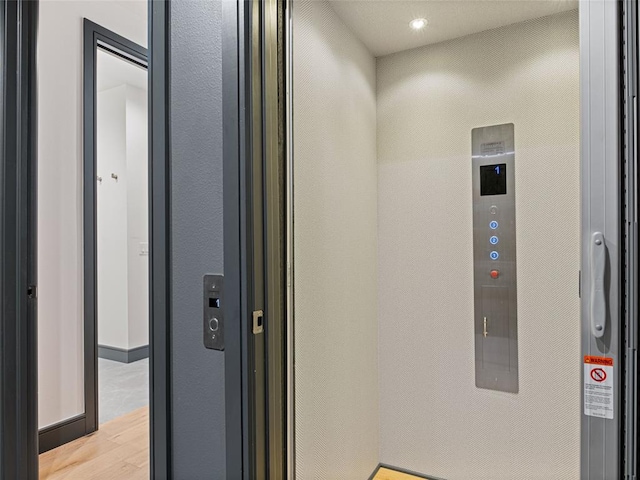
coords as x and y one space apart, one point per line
598 386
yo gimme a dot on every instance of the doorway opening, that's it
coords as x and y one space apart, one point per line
122 225
434 145
94 244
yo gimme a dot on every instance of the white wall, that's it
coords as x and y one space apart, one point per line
111 194
335 246
123 284
137 216
433 419
60 304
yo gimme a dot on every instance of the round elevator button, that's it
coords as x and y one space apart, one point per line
494 255
214 324
493 240
493 224
493 209
495 274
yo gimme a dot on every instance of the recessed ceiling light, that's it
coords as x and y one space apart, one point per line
418 23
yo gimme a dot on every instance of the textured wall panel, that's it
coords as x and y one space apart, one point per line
433 418
335 177
197 374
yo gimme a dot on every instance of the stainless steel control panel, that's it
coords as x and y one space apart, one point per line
494 258
213 312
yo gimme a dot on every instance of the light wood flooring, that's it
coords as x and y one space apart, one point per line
387 474
118 450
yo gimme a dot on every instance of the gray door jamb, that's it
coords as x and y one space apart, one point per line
235 238
18 288
160 229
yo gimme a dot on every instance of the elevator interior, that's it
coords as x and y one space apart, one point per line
436 232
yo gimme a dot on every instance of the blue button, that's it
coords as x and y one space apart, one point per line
493 240
494 255
493 224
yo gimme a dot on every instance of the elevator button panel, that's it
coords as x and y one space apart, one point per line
213 312
494 254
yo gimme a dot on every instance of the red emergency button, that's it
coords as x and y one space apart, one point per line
495 273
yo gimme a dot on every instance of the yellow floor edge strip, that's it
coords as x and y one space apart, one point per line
387 474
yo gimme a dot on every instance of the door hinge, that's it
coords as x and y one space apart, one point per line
32 291
258 322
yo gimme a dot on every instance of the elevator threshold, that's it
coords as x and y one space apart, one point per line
391 473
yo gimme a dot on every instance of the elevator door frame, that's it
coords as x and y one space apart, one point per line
263 205
601 185
602 445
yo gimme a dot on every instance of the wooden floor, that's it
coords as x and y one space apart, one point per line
118 450
386 474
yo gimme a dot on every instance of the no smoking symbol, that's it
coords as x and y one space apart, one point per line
598 374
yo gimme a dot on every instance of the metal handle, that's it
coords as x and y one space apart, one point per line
598 310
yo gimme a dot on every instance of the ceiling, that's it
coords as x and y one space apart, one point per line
113 71
383 26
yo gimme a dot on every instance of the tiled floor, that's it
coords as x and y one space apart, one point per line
123 387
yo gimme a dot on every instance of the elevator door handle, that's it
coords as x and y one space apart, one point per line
598 309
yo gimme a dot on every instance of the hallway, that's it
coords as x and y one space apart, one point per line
123 388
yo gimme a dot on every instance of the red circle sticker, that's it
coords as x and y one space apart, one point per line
598 374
